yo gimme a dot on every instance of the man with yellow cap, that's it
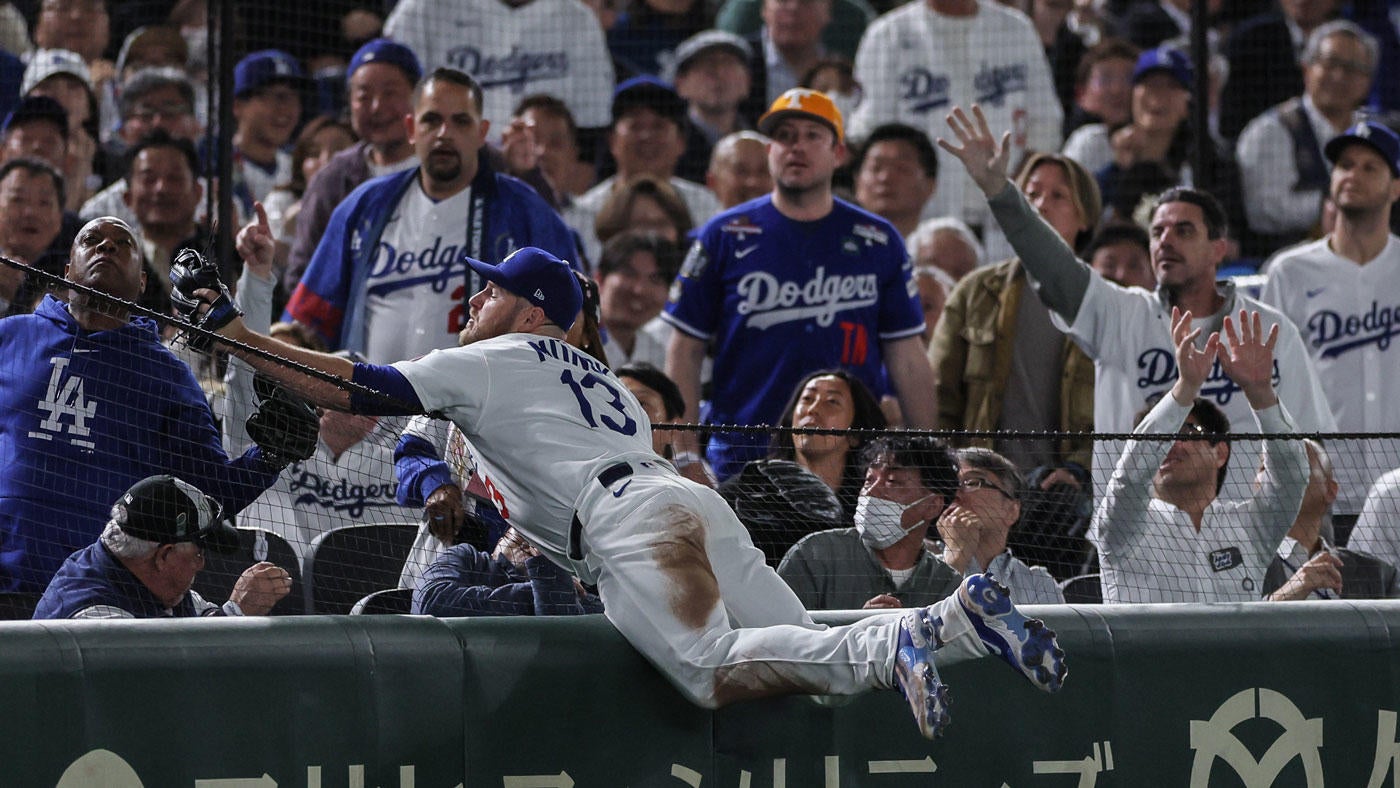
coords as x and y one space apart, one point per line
794 282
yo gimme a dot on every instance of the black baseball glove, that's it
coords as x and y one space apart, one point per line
284 427
191 271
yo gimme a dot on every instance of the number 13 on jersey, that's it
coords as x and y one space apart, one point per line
590 387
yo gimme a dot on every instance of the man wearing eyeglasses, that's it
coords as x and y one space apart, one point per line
1161 534
976 524
145 562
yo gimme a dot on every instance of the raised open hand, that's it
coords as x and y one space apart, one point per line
984 158
1248 357
1193 364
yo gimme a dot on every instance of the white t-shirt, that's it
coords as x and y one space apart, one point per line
416 291
1349 316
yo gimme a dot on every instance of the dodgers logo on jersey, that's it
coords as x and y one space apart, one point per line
1336 334
338 495
1158 367
993 83
513 70
771 301
924 90
391 269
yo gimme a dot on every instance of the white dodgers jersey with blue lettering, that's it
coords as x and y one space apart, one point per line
544 420
1349 316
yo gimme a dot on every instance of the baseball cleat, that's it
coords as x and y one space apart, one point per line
914 674
1023 643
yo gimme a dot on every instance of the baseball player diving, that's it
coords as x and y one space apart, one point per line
565 452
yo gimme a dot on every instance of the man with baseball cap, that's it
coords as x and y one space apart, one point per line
792 283
145 562
380 82
647 137
564 450
712 75
1341 291
267 107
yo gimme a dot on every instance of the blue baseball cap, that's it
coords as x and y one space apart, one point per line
266 67
1380 138
651 92
540 278
1172 61
32 108
384 50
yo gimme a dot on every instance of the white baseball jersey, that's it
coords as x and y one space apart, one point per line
1127 331
1150 551
915 64
415 292
543 46
558 437
1349 316
1377 529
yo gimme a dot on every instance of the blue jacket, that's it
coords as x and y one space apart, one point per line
331 295
93 576
464 581
83 416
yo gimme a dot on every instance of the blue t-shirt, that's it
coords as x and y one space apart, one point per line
780 299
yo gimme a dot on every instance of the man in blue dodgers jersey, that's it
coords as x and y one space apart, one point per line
1127 331
91 402
793 282
389 278
565 452
1343 292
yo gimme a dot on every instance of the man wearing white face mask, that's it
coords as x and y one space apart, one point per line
882 562
977 521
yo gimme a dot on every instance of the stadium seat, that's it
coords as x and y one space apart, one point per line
17 605
1083 590
215 582
348 563
390 601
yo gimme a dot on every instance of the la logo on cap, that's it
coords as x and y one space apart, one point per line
539 293
1363 131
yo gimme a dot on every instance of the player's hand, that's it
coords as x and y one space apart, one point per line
444 513
984 159
884 601
1248 358
1193 364
200 296
260 587
256 245
1323 570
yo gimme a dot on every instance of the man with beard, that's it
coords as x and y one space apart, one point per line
793 283
565 451
1343 292
389 278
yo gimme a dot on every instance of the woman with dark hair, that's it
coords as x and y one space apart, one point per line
830 399
644 204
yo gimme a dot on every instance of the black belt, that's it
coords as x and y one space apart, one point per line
611 475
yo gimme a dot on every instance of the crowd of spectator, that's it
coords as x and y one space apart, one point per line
777 201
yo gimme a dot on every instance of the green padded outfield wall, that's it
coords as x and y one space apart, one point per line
1299 694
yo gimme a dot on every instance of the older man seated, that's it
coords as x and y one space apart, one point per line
145 562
